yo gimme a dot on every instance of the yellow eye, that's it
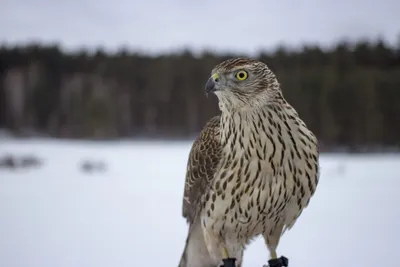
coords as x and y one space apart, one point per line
241 75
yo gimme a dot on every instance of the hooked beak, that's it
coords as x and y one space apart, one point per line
211 85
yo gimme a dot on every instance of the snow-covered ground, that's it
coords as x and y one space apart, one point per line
130 215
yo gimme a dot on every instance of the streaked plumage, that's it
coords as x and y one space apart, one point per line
251 171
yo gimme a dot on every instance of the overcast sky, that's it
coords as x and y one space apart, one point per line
156 26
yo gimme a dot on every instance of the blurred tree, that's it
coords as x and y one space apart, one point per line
347 95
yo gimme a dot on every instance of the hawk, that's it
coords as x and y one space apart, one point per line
252 169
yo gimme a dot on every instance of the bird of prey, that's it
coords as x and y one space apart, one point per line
252 169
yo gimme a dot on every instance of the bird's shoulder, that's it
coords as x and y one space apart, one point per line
203 160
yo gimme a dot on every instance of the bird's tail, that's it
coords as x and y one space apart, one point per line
183 261
195 253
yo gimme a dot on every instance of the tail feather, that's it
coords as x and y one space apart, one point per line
183 261
195 253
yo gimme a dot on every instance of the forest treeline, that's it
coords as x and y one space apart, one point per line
348 95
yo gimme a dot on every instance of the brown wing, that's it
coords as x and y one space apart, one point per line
202 163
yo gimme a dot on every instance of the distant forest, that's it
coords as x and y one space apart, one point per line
348 95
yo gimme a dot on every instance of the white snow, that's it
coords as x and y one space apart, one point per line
130 215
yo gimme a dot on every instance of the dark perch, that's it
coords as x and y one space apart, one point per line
280 262
229 262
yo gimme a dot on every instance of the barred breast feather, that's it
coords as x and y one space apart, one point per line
266 176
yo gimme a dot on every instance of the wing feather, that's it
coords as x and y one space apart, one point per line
203 160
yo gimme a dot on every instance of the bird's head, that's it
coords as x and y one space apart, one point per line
243 83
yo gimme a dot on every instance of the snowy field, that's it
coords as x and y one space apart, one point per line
130 214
